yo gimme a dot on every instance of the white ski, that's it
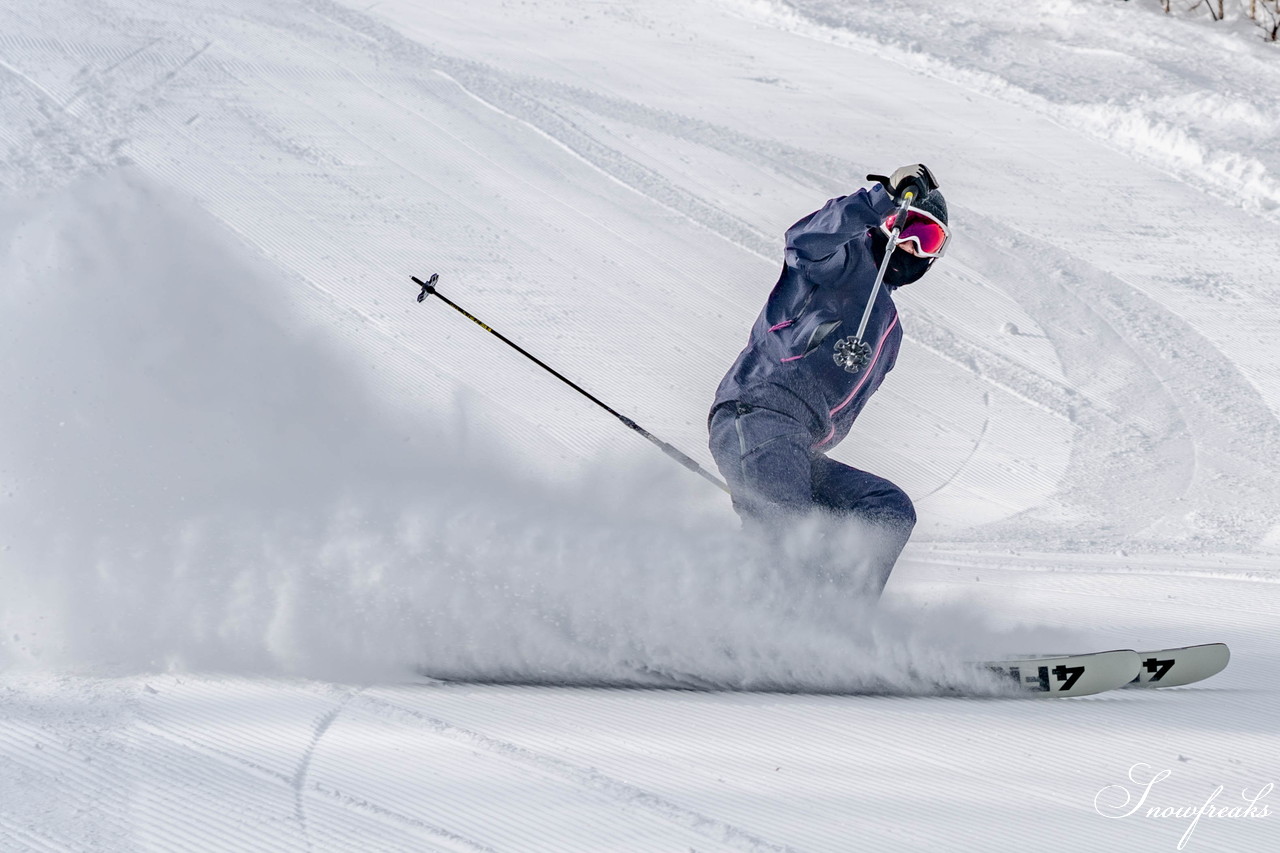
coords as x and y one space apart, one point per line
1186 665
1071 675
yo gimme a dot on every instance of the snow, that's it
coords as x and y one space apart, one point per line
249 488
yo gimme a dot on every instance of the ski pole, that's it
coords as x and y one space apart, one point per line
429 289
861 351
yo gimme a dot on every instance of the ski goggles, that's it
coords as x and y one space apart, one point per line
925 230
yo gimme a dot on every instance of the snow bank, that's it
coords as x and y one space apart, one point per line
1182 95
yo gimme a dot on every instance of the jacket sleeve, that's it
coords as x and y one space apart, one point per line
815 244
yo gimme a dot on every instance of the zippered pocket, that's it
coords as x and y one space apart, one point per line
820 333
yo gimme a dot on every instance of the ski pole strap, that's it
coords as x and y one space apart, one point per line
429 289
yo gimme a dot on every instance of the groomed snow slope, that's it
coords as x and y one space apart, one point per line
248 485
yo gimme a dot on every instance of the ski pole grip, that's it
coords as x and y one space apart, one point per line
907 196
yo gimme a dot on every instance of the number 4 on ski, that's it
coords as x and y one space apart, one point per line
1175 667
1071 675
1087 674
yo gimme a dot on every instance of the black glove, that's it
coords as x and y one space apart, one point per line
915 177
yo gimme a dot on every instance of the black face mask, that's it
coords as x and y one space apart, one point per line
904 267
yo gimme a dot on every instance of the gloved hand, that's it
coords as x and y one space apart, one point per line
915 177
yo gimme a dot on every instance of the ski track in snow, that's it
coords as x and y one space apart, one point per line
608 186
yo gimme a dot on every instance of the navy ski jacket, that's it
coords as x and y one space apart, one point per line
789 364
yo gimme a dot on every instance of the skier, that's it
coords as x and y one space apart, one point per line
797 387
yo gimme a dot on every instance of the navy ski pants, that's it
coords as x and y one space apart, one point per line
767 460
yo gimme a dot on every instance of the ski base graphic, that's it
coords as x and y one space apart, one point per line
1070 675
1088 674
1185 665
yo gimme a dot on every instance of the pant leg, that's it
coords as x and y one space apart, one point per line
889 513
844 489
765 459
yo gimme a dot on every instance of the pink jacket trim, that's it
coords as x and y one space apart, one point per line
865 375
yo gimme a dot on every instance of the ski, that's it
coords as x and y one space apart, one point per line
1088 674
1070 675
1185 665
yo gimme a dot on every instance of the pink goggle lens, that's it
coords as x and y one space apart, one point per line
928 233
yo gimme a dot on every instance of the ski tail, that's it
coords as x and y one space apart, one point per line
1184 665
